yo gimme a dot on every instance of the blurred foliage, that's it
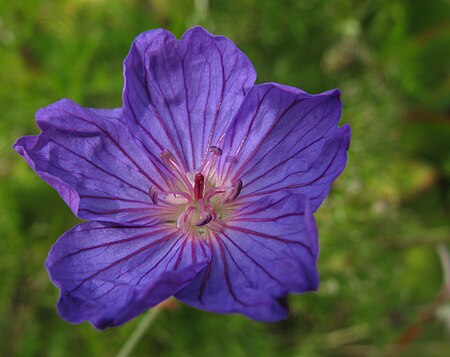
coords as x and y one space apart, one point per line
379 228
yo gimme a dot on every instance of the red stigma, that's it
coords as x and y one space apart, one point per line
199 186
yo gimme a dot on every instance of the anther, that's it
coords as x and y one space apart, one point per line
153 193
204 220
170 160
216 150
171 198
236 190
172 163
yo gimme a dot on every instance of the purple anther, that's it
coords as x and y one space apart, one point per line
204 220
236 190
153 193
216 150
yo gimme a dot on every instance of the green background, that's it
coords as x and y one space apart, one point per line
384 229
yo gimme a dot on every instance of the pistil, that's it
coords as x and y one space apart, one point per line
199 186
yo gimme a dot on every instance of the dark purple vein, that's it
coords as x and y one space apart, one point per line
135 253
98 167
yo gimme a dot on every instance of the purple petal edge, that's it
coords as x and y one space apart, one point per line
266 251
109 274
180 95
168 285
89 157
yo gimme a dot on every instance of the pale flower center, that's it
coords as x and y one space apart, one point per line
196 203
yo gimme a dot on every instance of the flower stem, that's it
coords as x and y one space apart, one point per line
137 334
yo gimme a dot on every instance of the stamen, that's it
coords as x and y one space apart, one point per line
180 224
209 160
204 220
153 193
170 160
199 186
172 163
237 187
216 190
171 198
211 210
188 213
174 198
216 150
188 203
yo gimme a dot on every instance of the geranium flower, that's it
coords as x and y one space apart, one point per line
202 186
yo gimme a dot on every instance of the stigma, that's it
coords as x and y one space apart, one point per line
195 201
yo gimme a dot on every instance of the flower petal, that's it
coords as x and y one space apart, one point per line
284 138
181 95
109 274
88 156
266 250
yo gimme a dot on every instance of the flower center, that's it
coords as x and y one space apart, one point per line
194 204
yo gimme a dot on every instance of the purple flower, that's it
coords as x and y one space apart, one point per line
202 186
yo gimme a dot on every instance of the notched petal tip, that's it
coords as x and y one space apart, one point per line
23 145
146 38
347 130
196 30
63 107
334 93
